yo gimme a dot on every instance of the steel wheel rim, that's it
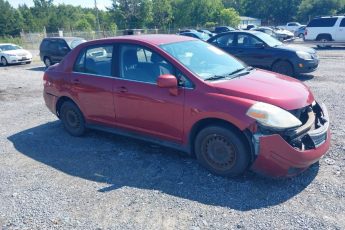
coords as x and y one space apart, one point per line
72 119
219 152
47 62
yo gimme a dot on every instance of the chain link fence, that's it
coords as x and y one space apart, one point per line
30 40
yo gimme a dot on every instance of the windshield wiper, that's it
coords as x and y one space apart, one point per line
241 72
215 77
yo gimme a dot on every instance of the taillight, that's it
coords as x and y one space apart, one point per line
305 32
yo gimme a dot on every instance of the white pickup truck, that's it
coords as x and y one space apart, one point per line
291 26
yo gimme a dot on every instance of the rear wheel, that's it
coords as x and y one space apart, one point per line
28 62
283 67
221 151
4 61
72 119
47 61
324 39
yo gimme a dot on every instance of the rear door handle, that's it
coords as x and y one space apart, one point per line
76 81
123 89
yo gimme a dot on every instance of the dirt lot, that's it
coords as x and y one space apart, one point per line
50 180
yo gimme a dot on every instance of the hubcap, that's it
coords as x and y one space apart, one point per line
72 119
3 61
47 62
219 152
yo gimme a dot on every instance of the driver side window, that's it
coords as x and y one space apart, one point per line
245 40
141 64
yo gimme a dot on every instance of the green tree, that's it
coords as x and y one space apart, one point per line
229 17
272 11
131 13
308 9
162 13
196 12
11 21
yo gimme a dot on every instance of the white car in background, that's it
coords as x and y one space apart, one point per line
291 26
12 54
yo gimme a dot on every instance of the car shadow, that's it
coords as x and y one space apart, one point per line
330 48
39 69
118 161
305 77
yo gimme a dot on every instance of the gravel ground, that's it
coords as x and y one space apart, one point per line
50 180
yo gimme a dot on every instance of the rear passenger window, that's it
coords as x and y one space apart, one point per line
342 23
95 60
225 40
323 22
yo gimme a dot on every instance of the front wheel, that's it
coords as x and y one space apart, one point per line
47 62
221 151
4 61
283 67
72 119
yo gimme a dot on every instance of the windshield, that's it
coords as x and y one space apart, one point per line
9 47
269 40
74 43
203 59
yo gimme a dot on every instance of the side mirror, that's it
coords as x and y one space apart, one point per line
167 81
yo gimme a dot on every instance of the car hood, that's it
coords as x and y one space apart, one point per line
268 87
20 52
297 48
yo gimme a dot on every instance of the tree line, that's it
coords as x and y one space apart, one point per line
163 14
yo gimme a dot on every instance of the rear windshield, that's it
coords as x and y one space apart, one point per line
72 43
322 22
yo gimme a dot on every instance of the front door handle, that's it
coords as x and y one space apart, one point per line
123 89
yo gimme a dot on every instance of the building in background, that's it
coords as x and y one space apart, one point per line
245 21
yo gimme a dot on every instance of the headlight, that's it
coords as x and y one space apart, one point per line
304 55
272 116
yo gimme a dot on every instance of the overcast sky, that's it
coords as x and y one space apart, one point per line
85 3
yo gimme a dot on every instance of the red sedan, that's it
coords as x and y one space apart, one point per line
184 93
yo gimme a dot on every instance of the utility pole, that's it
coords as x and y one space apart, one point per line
97 18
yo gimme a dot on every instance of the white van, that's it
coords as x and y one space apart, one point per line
326 29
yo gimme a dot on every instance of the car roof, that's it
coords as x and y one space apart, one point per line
4 44
336 16
240 31
63 38
154 39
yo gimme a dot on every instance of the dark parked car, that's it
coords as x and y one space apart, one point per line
196 34
261 50
53 50
187 94
223 29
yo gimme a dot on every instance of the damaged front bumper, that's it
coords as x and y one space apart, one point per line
291 152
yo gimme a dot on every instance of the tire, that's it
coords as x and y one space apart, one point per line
301 36
283 67
324 38
47 62
4 61
221 151
72 119
28 62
